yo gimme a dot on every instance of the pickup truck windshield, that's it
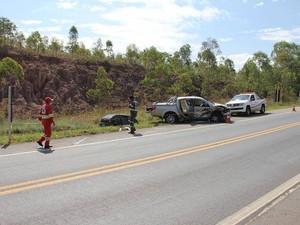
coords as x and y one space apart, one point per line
240 97
172 100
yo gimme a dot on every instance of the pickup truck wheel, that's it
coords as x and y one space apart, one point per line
263 109
248 111
171 118
216 117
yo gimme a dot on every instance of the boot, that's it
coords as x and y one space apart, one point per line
132 130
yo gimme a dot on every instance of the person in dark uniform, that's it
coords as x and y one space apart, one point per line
133 106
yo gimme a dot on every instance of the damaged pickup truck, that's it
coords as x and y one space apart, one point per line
189 108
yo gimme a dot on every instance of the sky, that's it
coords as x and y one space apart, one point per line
241 27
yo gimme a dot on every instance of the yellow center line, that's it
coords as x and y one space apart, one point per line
33 184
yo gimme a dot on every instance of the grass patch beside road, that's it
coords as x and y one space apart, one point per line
281 105
27 130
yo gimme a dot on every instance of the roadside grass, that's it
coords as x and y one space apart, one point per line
281 105
27 130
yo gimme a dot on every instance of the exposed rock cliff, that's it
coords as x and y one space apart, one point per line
67 82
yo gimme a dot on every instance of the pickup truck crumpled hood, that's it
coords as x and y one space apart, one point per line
219 104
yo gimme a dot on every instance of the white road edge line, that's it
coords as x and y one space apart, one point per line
20 153
122 139
78 142
260 203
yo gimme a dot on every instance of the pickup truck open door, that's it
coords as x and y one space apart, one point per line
194 109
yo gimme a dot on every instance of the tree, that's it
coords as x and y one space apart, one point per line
73 40
103 87
20 39
209 50
44 44
249 77
119 58
226 79
184 54
97 50
109 48
83 52
207 68
287 55
158 82
183 85
8 66
207 57
132 54
229 65
34 41
55 46
212 45
262 61
265 83
286 73
152 58
7 31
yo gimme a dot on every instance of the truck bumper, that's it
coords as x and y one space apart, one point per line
237 110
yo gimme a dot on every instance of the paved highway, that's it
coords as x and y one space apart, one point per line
180 174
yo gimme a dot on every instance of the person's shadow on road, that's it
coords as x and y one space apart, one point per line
45 151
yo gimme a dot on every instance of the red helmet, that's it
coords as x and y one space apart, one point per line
48 99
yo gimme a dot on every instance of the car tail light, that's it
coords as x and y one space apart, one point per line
153 108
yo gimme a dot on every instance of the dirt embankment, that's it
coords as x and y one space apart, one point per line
67 82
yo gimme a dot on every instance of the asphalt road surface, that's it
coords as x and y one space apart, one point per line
181 174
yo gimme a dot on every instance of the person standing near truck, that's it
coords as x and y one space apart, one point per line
133 106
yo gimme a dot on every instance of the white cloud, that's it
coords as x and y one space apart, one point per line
60 37
66 4
31 22
279 34
162 24
42 30
240 59
61 21
160 36
260 4
226 39
97 8
49 29
87 41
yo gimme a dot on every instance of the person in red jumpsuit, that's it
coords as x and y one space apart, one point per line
46 117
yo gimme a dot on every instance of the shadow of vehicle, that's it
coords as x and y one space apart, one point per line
252 115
